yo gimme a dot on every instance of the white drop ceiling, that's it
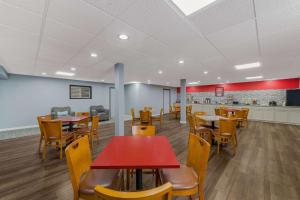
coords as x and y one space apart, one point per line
39 36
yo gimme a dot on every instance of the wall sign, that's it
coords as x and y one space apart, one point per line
219 91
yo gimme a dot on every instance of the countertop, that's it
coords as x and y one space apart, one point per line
239 105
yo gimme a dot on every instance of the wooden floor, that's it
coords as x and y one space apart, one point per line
266 166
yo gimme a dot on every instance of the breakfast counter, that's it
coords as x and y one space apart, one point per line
276 114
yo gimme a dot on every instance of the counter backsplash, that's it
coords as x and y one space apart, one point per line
263 97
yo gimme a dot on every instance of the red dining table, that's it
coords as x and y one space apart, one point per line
137 152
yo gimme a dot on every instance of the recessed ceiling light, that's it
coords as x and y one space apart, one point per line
149 81
194 83
181 61
64 73
219 78
94 55
134 82
205 72
123 37
44 73
248 66
190 6
73 69
160 72
254 77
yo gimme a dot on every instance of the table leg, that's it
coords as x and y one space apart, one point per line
71 128
139 179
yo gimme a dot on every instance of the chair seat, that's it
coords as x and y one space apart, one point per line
104 177
182 178
202 128
223 134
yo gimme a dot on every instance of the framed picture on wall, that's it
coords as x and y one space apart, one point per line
80 92
219 91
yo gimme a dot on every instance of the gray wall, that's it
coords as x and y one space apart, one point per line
139 95
23 98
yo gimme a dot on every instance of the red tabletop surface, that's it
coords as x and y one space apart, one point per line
71 118
127 152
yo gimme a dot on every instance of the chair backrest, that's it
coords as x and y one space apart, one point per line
198 154
171 109
239 114
40 119
189 109
227 126
132 111
86 121
95 124
148 108
217 111
79 160
223 112
163 192
145 116
161 114
246 112
143 130
52 129
192 124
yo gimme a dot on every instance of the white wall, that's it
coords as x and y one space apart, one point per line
23 98
139 95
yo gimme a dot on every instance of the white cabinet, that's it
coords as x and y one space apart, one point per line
268 114
294 116
281 115
289 115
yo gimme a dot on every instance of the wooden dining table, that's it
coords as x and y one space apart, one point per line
71 120
137 152
212 119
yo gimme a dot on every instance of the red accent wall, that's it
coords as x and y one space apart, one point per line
256 85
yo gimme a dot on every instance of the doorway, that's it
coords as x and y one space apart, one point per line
112 97
166 100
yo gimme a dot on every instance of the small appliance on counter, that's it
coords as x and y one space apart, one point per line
235 102
272 103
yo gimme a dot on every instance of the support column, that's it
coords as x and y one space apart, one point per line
119 100
183 101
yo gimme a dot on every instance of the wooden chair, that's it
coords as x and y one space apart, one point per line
163 192
83 123
148 108
189 109
42 137
172 112
53 133
198 127
245 117
159 118
217 111
92 131
133 118
145 117
223 112
84 179
239 116
143 130
226 133
189 179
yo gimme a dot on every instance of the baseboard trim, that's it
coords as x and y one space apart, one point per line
18 128
182 122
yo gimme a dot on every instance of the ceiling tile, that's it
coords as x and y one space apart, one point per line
66 34
79 14
222 14
31 5
113 7
19 18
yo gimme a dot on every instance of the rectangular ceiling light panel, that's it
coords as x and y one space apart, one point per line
254 77
248 66
190 6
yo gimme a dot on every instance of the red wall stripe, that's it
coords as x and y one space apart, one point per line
257 85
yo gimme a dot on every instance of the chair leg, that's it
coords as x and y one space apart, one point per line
92 140
40 144
218 146
233 146
60 155
44 151
201 193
